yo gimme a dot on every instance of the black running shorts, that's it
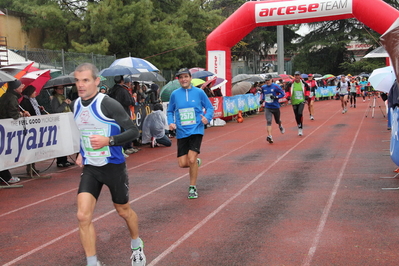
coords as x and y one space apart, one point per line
192 143
114 176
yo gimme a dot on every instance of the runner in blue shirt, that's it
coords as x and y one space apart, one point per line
186 116
271 92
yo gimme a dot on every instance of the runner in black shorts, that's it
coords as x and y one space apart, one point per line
100 119
186 115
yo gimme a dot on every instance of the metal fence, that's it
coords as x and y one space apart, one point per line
59 59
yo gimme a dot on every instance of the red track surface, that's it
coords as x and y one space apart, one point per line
310 200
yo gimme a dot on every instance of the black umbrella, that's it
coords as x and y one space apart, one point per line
60 81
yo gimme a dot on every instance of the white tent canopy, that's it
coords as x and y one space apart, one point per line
378 52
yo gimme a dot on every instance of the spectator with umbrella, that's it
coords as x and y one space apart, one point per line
9 108
30 104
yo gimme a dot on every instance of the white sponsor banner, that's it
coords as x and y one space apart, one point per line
300 9
217 65
37 138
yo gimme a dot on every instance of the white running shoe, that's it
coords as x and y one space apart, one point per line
282 130
14 179
269 139
300 132
311 117
138 258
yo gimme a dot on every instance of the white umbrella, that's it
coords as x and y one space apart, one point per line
140 64
382 79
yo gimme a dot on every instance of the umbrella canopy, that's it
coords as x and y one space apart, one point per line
141 65
214 83
60 81
241 88
15 69
149 76
37 79
202 74
196 69
328 76
376 53
240 77
167 90
118 70
364 75
5 77
255 78
382 79
197 82
317 75
304 76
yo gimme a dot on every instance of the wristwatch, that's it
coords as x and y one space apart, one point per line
111 141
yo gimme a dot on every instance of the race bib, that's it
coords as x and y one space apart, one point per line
187 116
298 95
268 99
311 94
89 151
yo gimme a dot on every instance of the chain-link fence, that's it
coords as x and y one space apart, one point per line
59 59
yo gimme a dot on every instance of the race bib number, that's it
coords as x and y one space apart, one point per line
298 95
89 151
311 94
187 116
268 99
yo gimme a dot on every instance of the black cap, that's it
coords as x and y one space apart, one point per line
268 77
183 71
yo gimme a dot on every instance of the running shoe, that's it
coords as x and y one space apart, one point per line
300 132
138 257
269 139
199 162
343 111
311 117
192 192
282 130
14 179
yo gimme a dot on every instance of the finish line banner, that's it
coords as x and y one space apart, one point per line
37 138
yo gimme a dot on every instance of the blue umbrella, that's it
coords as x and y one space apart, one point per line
118 71
304 76
202 74
138 63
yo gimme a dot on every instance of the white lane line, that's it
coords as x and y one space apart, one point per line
217 210
327 208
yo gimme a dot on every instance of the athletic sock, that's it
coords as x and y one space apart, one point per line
135 243
92 260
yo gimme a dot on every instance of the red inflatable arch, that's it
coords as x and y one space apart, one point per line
376 14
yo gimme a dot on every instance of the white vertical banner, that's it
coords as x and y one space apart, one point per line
217 65
37 138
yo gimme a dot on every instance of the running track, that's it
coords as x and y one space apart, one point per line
310 200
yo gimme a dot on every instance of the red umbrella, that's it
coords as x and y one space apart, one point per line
37 79
196 69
